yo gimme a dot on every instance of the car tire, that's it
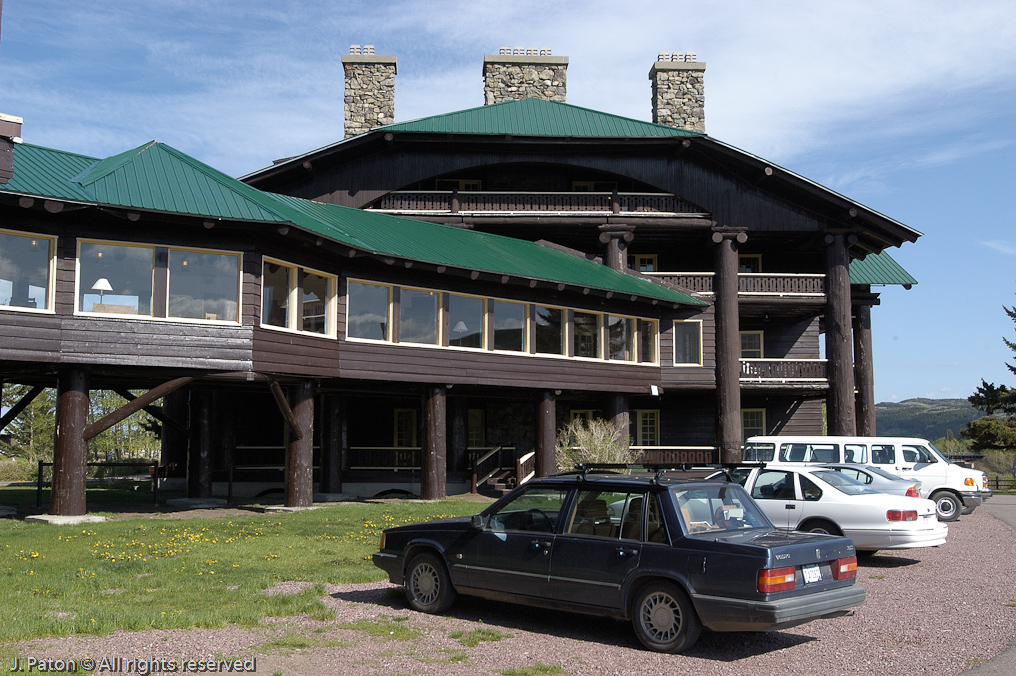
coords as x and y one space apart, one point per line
664 618
428 587
947 505
866 553
968 510
820 526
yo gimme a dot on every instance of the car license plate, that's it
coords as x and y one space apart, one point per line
812 573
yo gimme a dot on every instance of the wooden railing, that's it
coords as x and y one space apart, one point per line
783 370
485 467
525 468
751 283
448 201
677 455
383 457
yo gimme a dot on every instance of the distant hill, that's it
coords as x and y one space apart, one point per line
925 418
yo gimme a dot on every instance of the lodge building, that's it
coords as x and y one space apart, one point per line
385 312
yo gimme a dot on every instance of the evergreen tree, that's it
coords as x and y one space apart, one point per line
997 429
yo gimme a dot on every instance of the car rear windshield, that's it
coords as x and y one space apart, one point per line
844 484
712 509
882 473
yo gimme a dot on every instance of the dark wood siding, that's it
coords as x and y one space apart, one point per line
689 376
295 353
788 416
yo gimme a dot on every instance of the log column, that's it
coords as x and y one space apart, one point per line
174 442
840 398
300 447
435 444
617 238
71 450
728 345
619 416
333 442
458 454
864 371
199 460
546 434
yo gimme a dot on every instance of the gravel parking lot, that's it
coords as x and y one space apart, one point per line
929 611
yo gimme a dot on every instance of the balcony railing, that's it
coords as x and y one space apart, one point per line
677 455
395 459
510 202
783 370
751 283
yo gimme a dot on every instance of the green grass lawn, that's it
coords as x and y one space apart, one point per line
143 573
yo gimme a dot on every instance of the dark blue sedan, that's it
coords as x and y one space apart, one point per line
670 554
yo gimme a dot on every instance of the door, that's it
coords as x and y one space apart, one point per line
917 462
600 546
512 554
775 492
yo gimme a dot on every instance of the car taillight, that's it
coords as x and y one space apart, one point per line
969 481
382 547
775 579
845 568
912 492
901 515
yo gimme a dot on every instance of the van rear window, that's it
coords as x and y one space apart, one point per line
758 452
809 453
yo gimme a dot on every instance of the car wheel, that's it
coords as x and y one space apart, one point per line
947 505
664 618
428 587
820 526
866 553
968 510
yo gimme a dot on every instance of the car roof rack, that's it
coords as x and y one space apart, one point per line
583 469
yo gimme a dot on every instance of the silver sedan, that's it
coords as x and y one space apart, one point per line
879 479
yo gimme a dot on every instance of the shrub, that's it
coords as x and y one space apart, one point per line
593 441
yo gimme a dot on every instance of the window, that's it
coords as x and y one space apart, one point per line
367 311
475 427
647 427
582 186
644 263
536 509
465 321
855 453
749 263
459 183
405 428
115 279
621 338
687 343
751 345
586 335
26 271
297 298
883 454
550 322
418 316
509 321
203 285
581 414
774 485
753 422
649 344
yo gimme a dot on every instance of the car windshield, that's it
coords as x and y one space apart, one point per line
844 484
884 474
940 454
710 510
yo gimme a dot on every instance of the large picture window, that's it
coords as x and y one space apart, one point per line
549 330
367 311
465 321
649 333
297 298
203 285
687 343
277 284
586 336
509 325
26 271
115 278
418 316
621 334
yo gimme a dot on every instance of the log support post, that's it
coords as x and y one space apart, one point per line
199 452
840 398
546 434
728 345
435 444
617 238
619 416
71 449
458 453
333 442
864 371
300 446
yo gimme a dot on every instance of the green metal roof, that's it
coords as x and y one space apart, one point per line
536 117
879 268
159 178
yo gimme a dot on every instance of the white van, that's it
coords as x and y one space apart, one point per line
953 488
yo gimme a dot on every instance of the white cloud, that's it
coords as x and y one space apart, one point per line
1001 246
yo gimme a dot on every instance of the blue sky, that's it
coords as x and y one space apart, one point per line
906 106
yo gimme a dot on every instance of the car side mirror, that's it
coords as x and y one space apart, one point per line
479 522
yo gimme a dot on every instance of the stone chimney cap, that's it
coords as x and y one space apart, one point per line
524 58
10 127
368 58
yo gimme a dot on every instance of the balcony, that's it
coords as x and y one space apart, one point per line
778 285
783 371
442 202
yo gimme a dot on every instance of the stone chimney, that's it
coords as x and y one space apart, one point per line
524 73
679 98
370 89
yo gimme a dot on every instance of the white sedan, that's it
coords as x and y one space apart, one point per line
824 501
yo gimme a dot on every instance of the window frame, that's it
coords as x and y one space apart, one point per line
640 415
295 298
438 312
78 289
638 259
50 273
447 309
169 281
388 310
749 257
744 428
414 428
632 342
654 359
761 343
700 342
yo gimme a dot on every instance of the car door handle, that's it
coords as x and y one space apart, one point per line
789 506
626 551
903 469
542 544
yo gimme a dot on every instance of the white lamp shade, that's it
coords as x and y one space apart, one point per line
102 284
460 327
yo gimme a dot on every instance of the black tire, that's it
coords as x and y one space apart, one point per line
820 526
428 587
866 553
664 618
947 505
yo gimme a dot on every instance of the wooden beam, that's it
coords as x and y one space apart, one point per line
287 412
20 406
154 411
132 407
